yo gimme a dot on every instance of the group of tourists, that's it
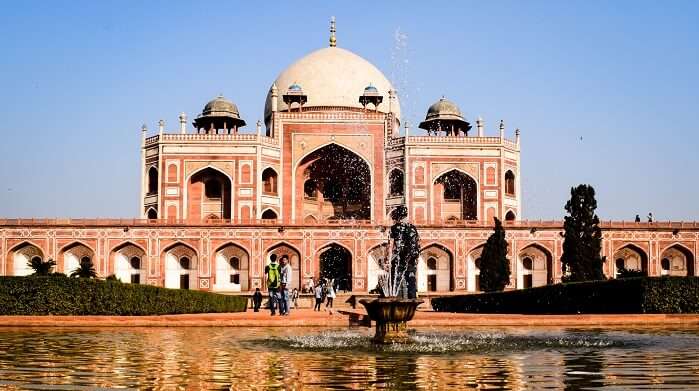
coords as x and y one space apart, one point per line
279 278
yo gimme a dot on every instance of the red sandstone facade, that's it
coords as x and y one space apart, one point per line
319 182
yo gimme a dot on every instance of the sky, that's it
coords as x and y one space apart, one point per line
604 92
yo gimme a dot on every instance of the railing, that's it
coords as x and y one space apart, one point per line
476 224
244 137
460 140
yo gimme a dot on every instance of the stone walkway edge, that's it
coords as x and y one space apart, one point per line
309 318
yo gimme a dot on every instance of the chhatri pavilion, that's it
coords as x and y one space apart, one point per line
316 181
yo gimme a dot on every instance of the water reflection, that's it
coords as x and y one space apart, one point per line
240 359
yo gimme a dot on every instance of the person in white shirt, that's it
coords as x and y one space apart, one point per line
285 279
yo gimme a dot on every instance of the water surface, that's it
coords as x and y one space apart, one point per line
309 358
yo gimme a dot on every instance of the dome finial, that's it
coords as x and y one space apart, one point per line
333 40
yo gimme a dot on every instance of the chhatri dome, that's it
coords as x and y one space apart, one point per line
332 76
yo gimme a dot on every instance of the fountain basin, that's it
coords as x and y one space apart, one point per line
391 316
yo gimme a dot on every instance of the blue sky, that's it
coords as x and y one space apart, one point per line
605 93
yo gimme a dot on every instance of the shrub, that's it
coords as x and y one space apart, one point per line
628 295
56 295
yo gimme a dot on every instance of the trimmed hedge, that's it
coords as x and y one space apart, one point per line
60 295
650 295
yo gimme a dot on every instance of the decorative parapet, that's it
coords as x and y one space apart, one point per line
522 224
333 113
187 137
452 140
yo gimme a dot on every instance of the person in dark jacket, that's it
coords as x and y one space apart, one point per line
257 300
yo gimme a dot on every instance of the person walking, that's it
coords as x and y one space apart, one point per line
650 217
319 297
638 219
273 276
257 300
285 280
331 296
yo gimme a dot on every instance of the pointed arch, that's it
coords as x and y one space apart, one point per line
335 263
151 213
227 196
396 183
71 254
269 214
437 278
128 262
455 192
152 180
632 257
280 249
19 256
680 260
304 199
232 266
473 257
541 272
181 264
270 179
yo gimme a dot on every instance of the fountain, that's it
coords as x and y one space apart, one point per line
398 287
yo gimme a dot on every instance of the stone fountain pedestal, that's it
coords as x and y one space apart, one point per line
391 316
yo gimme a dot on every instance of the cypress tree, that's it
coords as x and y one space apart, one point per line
582 246
495 267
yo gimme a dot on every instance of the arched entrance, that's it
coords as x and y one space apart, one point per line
22 255
181 265
70 257
630 257
535 267
281 250
434 270
336 265
232 268
335 183
677 260
473 269
129 263
456 196
209 195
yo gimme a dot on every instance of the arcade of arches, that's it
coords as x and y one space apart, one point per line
230 267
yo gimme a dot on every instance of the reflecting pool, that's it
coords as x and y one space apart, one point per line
308 358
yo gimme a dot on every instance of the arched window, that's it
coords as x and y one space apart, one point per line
135 263
509 183
510 216
310 189
432 264
478 263
269 214
85 260
185 263
396 180
36 259
152 214
269 181
152 180
665 264
212 189
527 263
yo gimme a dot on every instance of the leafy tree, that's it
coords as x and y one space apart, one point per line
85 270
495 267
582 246
41 267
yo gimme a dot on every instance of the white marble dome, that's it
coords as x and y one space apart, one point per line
332 76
